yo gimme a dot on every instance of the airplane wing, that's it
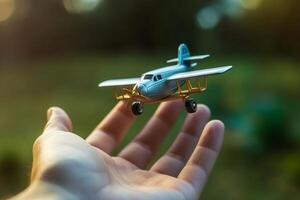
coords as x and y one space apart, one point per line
119 82
199 73
190 58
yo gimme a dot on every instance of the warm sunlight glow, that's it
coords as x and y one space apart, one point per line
80 6
7 7
250 4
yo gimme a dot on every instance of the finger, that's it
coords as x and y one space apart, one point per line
58 120
177 156
202 159
112 128
146 144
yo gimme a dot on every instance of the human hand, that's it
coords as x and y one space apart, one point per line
65 166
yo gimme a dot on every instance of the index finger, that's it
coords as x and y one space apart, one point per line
112 128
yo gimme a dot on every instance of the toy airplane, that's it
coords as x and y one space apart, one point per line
165 84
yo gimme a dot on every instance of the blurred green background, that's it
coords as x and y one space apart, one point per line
55 52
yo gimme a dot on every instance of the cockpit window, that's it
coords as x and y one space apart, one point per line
159 77
148 76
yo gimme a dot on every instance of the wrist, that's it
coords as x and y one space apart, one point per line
44 190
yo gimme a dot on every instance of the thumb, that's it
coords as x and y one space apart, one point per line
58 120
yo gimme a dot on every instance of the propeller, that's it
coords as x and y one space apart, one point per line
132 92
135 90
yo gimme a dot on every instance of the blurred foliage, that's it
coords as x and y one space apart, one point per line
39 28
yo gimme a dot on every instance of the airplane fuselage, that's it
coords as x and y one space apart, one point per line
154 84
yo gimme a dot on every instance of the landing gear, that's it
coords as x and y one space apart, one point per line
137 108
190 105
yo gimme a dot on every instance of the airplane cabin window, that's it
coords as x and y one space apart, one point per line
148 76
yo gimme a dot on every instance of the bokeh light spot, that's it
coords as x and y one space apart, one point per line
7 8
208 18
80 6
232 8
250 4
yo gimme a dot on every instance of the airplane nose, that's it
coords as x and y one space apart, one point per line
142 89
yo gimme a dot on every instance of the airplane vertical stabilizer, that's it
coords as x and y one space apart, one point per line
183 52
184 57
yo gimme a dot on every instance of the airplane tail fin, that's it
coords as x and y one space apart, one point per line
183 52
185 58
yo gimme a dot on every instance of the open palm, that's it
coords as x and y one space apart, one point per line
85 169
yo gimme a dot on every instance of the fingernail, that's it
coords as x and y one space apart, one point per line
49 113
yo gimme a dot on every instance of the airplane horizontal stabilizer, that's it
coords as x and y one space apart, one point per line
190 58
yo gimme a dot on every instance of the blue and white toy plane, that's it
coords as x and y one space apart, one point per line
165 84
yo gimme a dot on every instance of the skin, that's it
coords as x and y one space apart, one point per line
65 166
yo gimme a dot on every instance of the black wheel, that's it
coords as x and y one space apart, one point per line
137 108
190 106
